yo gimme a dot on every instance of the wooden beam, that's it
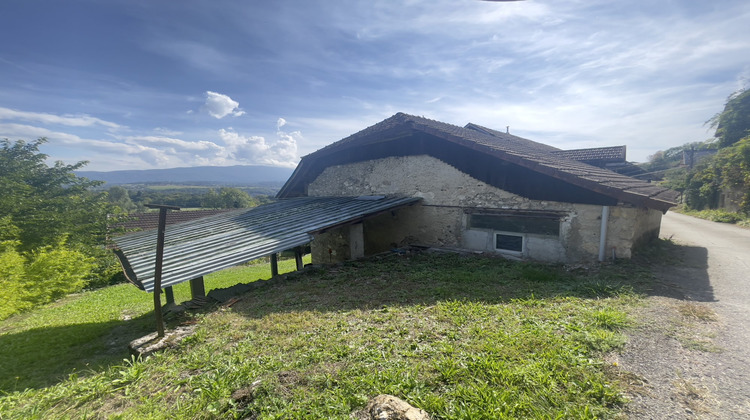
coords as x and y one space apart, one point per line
170 295
197 287
274 264
298 258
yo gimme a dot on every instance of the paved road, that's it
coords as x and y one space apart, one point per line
718 275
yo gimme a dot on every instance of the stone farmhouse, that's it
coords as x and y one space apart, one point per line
481 190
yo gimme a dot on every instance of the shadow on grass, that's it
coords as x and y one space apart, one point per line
41 357
426 279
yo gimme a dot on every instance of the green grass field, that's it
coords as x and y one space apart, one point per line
460 337
91 330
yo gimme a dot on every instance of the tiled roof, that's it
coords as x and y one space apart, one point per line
150 220
594 155
526 154
511 139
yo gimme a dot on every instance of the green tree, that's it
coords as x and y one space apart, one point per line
48 203
235 198
211 200
52 227
729 169
120 197
733 123
228 198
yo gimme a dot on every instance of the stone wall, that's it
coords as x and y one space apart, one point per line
441 218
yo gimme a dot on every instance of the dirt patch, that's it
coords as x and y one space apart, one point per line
666 363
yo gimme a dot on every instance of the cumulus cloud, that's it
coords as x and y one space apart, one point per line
280 123
257 150
219 105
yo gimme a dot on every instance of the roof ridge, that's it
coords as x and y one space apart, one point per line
523 152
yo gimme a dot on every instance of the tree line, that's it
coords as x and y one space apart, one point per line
134 199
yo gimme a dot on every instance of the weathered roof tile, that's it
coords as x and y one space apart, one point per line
505 147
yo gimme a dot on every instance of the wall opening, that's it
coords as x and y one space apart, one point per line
509 243
549 226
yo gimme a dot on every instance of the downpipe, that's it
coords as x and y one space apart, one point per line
603 234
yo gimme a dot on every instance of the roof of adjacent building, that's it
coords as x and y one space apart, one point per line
150 220
203 246
511 139
594 155
404 134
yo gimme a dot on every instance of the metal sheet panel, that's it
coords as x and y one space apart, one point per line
199 247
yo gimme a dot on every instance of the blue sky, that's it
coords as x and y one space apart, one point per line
135 84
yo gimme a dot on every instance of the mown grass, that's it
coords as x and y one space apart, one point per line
460 337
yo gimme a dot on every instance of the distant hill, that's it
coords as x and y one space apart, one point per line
224 175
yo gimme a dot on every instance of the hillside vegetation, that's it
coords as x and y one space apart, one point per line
460 337
718 181
52 228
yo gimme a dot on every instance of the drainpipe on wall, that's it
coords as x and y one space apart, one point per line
603 233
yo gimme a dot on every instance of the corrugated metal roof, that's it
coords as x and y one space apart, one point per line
199 247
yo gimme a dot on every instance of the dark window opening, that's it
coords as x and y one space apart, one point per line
521 224
509 242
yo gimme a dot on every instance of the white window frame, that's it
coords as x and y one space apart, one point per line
509 251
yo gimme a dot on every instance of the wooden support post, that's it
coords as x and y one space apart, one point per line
158 264
197 287
274 264
298 258
170 295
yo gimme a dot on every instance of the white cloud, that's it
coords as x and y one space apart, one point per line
256 150
52 119
219 105
70 148
167 132
280 123
173 144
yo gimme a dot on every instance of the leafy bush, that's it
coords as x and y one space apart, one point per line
51 229
43 276
719 215
12 275
57 271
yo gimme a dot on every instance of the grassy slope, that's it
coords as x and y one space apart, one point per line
90 330
459 337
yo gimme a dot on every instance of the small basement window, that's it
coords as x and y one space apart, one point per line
509 242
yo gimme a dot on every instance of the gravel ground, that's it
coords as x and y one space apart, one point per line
689 358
